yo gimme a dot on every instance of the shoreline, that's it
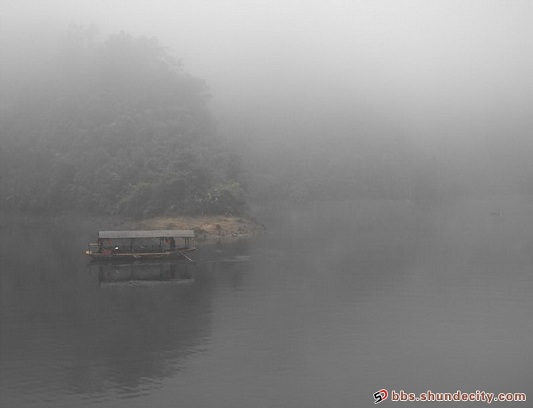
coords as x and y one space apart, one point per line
205 227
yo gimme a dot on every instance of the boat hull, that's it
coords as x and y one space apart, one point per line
138 256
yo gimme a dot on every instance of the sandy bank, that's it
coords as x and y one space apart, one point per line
205 227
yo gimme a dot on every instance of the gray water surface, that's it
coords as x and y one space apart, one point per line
330 305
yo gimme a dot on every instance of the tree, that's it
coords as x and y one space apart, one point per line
119 127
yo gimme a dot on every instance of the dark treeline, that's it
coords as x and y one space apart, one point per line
117 126
364 164
347 151
113 126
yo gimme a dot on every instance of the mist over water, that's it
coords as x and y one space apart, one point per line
330 305
384 145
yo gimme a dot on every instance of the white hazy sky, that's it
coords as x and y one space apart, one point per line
412 58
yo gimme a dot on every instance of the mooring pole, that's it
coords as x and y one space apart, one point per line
186 257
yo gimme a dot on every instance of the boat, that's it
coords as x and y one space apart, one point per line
139 245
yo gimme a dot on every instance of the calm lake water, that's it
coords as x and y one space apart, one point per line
330 305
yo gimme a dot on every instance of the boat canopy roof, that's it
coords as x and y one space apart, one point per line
147 234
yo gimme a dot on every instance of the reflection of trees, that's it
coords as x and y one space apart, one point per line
60 330
142 331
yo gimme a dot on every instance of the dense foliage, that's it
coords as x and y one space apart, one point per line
371 163
113 126
116 126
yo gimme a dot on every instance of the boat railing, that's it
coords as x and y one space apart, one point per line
141 242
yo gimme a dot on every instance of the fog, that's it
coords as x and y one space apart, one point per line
380 150
450 79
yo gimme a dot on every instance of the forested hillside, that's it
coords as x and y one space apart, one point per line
116 125
112 126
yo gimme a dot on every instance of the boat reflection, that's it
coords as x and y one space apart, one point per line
145 272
